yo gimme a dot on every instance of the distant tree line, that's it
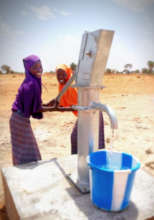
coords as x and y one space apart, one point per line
128 69
5 69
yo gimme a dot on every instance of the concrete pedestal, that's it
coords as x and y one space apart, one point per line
41 191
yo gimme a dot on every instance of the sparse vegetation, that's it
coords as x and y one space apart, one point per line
5 69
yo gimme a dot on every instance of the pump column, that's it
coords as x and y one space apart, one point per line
93 56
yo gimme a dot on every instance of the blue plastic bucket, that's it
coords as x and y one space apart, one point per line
111 179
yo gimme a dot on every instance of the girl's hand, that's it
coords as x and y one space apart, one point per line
52 103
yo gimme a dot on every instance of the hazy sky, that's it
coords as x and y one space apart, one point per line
52 29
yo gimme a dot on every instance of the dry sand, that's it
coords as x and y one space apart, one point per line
131 96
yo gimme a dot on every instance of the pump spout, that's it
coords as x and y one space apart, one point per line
101 107
109 111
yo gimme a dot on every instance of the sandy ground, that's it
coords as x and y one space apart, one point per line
131 96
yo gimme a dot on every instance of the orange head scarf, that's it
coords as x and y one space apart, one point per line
70 96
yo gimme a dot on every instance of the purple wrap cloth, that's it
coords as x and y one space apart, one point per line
74 135
24 145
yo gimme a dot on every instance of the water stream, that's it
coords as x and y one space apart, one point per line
111 162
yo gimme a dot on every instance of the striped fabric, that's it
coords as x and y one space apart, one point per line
111 185
101 135
24 146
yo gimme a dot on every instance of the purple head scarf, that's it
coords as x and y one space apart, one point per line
28 100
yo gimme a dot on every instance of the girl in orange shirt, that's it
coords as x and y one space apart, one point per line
70 98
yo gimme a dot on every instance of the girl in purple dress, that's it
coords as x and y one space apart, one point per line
27 103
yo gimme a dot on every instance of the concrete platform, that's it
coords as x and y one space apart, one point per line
41 191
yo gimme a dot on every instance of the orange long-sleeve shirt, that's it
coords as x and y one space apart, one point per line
70 97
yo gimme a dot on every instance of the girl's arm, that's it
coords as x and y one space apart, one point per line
61 109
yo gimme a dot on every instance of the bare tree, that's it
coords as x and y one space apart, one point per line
6 68
108 70
127 68
145 70
150 66
136 71
73 66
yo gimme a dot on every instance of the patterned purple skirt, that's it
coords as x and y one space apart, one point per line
24 146
74 134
